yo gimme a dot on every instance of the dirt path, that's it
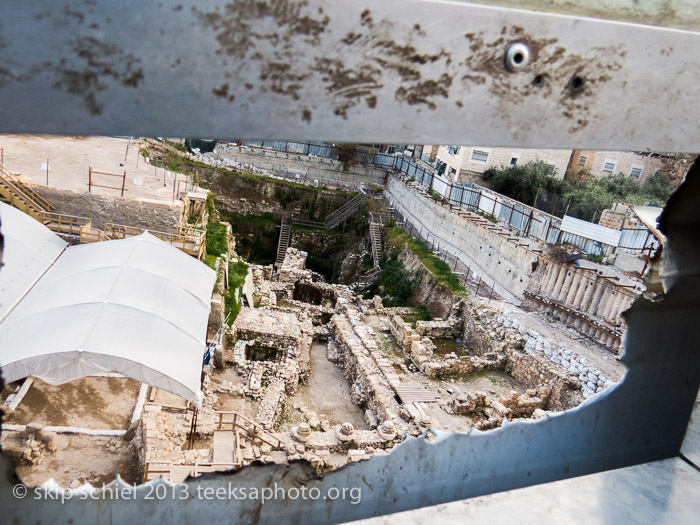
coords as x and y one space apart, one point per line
102 209
327 392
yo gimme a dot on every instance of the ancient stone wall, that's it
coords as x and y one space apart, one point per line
357 353
439 328
533 371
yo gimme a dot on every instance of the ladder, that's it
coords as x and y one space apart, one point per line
375 233
283 242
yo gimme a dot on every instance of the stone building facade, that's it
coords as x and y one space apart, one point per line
468 163
637 165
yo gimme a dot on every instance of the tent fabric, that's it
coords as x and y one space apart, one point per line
136 306
30 248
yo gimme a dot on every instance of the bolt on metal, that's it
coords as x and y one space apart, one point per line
517 56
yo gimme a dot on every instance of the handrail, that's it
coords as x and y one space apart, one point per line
64 223
17 194
122 231
234 424
25 190
47 215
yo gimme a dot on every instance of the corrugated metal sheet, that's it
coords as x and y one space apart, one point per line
649 215
590 231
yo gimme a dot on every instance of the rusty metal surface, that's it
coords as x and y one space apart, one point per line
408 71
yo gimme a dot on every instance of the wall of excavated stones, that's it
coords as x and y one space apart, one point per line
533 371
439 328
350 346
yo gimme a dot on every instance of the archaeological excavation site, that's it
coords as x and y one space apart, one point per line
246 305
320 261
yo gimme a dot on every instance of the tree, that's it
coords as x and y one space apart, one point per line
577 177
523 182
658 186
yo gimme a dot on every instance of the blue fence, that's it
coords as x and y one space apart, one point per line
321 149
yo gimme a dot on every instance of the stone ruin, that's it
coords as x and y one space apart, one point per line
31 445
268 346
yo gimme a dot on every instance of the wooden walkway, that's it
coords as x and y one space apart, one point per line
412 393
224 446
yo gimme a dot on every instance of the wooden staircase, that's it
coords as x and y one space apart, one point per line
224 447
16 193
283 242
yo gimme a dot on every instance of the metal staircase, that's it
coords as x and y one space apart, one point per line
283 242
375 234
347 210
367 278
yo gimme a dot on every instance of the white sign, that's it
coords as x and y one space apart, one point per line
138 182
45 166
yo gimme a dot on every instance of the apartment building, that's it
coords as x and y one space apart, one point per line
468 163
638 165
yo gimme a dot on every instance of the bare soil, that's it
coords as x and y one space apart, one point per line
326 393
103 209
71 157
90 402
92 459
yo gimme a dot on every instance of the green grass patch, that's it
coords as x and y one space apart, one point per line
210 261
234 219
488 216
216 238
237 272
304 228
440 269
418 313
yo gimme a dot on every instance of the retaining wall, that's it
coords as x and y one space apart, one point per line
309 168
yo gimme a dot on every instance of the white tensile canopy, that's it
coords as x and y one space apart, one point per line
30 248
136 306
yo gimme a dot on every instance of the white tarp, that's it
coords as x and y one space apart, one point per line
30 248
589 230
136 306
649 215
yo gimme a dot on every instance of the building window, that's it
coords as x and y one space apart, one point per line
514 161
453 150
452 171
582 160
480 156
636 170
609 166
